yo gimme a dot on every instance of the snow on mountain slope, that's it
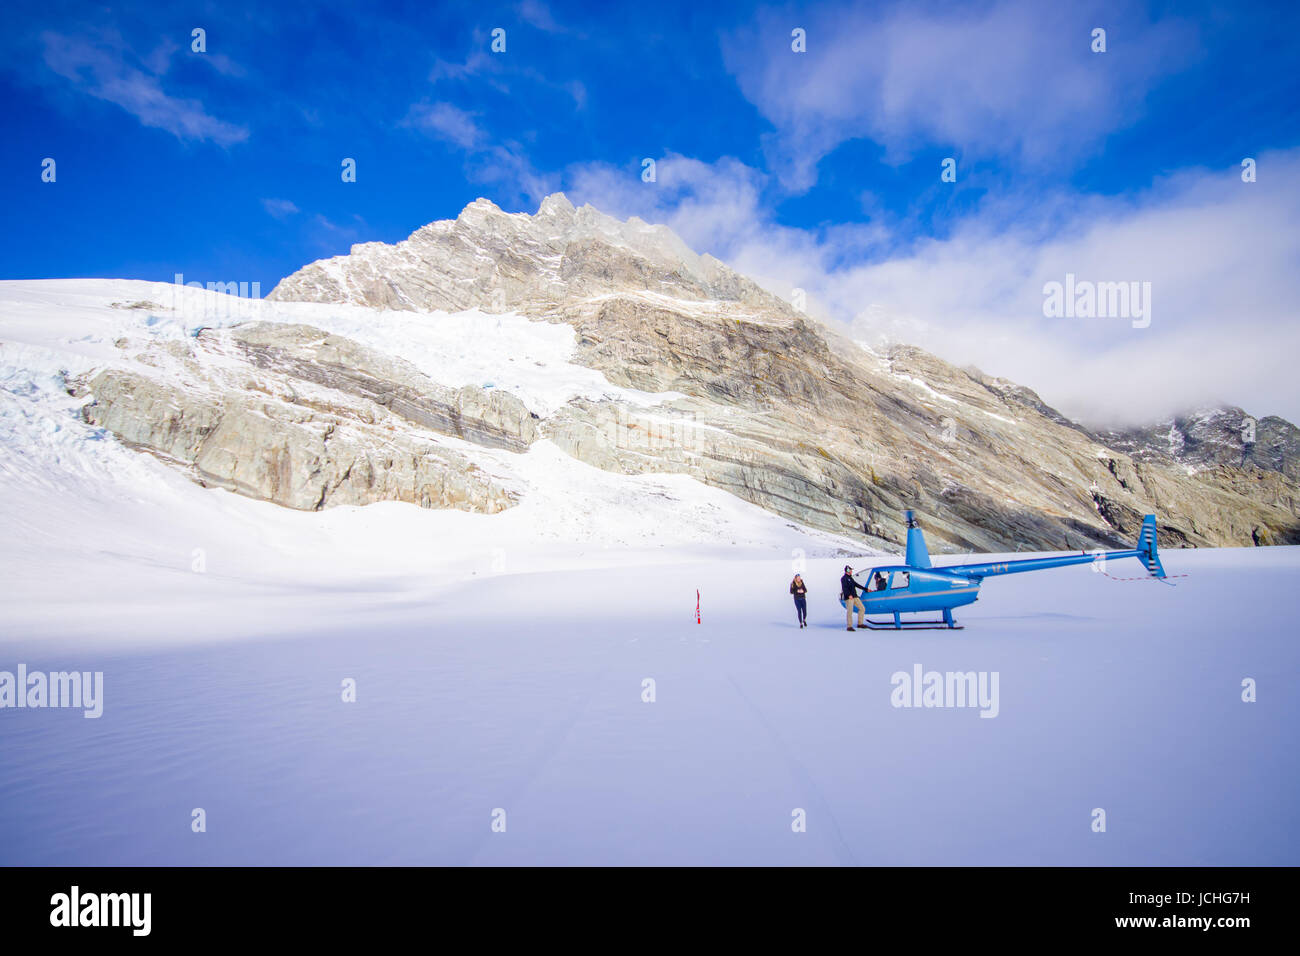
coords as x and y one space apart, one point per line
75 319
124 532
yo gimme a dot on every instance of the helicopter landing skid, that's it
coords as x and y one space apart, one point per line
913 626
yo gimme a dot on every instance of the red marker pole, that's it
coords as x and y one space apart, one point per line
697 606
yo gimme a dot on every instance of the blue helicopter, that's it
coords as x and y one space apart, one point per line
917 586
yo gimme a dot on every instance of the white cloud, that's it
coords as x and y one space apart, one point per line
578 90
1014 78
537 14
474 64
336 238
448 122
509 169
1220 254
100 68
221 63
502 164
279 208
159 60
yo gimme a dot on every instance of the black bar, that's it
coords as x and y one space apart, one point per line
976 905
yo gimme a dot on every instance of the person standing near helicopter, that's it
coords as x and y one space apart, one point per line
800 592
849 590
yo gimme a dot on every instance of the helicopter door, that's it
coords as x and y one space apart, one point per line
899 581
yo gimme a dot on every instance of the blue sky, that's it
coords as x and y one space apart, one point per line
818 170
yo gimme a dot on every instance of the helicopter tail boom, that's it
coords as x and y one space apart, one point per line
1144 550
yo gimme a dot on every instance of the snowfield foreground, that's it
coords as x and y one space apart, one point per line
531 687
526 693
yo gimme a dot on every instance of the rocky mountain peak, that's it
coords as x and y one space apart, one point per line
1211 436
489 259
556 206
736 389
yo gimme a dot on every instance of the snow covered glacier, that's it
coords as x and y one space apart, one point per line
392 684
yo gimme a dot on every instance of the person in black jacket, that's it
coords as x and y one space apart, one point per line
800 592
849 589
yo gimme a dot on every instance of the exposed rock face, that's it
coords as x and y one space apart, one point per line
1210 437
296 427
485 417
775 408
